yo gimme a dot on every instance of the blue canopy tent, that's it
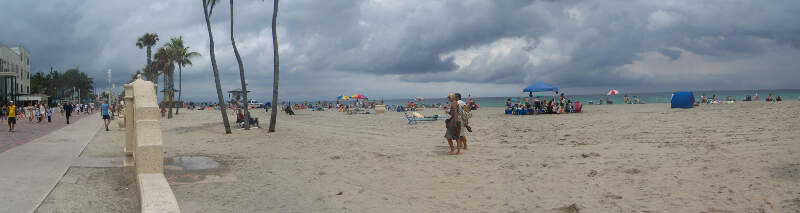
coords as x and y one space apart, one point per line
682 99
540 87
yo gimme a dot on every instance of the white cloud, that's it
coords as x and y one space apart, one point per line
661 20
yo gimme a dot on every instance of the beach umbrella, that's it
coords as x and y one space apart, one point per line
358 96
612 92
419 98
342 97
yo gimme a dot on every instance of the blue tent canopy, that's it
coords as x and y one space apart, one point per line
682 99
540 87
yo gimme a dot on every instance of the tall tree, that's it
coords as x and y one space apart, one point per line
241 76
165 63
273 117
183 58
148 40
208 7
38 83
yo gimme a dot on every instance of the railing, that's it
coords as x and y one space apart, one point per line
144 147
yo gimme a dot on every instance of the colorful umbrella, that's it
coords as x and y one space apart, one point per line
342 97
419 98
612 92
358 96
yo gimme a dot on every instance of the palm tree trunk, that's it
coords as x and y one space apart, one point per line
241 76
171 90
180 88
164 90
274 115
220 98
149 60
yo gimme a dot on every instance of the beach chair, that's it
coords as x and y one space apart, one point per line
413 120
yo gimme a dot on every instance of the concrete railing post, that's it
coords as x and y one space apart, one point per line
155 193
130 128
121 115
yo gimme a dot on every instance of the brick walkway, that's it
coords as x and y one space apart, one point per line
27 131
29 172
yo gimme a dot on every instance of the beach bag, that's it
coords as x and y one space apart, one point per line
466 115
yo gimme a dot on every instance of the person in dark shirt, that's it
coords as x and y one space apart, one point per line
68 110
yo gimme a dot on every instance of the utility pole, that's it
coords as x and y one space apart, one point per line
108 86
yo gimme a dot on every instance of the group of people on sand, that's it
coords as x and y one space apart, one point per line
534 105
713 99
458 123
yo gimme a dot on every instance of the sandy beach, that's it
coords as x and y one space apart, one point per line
610 158
713 158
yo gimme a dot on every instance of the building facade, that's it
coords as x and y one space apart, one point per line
15 72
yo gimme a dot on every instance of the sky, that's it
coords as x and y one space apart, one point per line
427 48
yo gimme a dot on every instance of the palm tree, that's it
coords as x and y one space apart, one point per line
164 63
273 117
241 75
148 40
208 7
182 56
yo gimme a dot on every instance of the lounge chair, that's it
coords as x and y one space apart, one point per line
413 120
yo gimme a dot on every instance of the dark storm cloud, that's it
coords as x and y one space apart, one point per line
334 47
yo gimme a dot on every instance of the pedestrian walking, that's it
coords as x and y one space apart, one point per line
38 114
29 113
12 116
68 110
106 115
49 112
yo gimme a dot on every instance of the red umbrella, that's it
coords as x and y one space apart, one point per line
612 92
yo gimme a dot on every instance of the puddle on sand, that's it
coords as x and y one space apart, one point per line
196 169
189 163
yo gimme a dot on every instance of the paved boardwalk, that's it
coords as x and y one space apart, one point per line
29 171
26 131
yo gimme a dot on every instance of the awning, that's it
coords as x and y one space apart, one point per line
540 87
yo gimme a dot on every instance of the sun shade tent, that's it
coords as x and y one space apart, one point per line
540 87
682 100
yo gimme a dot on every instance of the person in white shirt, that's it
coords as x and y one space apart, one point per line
466 109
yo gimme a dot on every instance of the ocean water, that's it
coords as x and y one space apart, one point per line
659 97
